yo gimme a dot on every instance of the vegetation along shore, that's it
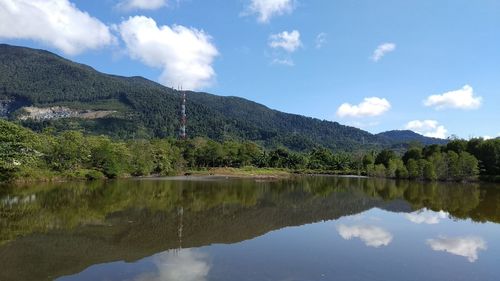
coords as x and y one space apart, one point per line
29 156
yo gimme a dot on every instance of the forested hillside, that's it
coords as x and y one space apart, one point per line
145 109
403 136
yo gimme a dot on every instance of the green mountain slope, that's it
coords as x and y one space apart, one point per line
404 136
132 107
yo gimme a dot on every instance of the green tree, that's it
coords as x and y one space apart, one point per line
429 171
19 148
141 158
69 151
413 169
414 153
384 157
111 158
469 166
454 171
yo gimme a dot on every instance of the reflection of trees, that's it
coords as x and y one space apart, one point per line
68 205
479 202
127 220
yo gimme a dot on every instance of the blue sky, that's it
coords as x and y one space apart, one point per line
436 71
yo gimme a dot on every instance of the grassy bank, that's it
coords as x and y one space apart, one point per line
244 172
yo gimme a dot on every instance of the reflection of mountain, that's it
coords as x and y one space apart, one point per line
68 228
138 232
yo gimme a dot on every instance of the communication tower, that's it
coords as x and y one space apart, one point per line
183 120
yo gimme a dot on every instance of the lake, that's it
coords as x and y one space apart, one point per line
203 229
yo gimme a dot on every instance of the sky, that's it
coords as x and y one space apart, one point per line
432 66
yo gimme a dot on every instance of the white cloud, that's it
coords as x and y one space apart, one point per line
372 106
461 246
186 265
288 41
185 54
372 236
141 4
428 128
461 99
426 216
266 9
382 50
321 40
56 23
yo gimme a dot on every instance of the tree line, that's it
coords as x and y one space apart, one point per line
26 154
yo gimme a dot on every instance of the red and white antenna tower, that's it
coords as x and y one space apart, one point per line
182 132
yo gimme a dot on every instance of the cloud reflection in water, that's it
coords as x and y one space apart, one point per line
461 246
372 236
185 265
426 216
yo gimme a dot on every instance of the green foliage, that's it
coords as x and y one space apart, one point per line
19 148
376 170
141 158
385 156
111 158
414 153
429 171
76 155
413 168
396 169
68 151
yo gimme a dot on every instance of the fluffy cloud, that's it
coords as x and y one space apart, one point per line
321 39
372 236
185 54
57 23
141 4
461 246
266 9
382 50
288 41
426 216
428 128
369 107
186 265
462 99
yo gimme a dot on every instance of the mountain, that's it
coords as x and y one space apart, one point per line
405 136
41 89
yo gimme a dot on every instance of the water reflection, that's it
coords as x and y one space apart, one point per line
426 216
182 265
49 231
372 236
461 246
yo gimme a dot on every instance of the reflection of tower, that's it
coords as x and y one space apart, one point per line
182 132
181 226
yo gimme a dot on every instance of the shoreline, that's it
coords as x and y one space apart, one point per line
217 173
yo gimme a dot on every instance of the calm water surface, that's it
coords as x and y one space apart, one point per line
305 229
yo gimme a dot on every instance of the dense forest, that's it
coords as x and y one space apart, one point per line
145 110
71 154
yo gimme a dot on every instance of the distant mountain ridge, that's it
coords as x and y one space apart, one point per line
69 95
410 136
